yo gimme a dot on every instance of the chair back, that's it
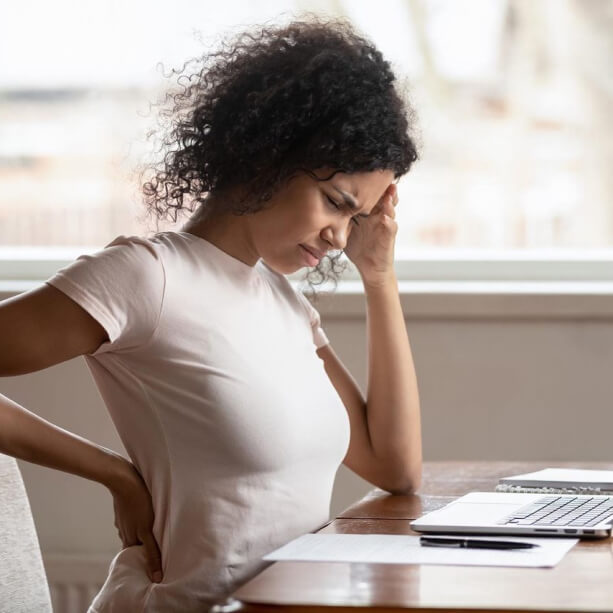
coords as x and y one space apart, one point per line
23 582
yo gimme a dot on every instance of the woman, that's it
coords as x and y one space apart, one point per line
233 408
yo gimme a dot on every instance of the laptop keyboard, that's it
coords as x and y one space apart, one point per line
562 511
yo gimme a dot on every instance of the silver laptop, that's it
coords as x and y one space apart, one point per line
536 514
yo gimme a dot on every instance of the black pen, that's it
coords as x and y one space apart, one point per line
434 541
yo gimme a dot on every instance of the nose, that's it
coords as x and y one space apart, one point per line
337 235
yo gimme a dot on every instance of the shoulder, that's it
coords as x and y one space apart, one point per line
135 259
156 251
125 247
121 286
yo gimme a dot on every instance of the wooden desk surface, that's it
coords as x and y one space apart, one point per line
583 581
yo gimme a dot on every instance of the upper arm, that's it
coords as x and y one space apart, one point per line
43 327
360 457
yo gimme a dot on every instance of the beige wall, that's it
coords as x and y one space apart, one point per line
493 386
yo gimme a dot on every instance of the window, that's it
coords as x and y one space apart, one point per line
513 100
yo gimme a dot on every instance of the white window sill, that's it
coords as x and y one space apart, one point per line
483 300
459 299
452 284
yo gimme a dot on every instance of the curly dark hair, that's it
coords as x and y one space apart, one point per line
272 102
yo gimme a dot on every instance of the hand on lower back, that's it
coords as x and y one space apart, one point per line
134 518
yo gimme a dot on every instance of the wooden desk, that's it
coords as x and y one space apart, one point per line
583 581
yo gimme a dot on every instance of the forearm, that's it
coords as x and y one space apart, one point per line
28 437
392 403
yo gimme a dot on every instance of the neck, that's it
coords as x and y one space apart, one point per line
230 233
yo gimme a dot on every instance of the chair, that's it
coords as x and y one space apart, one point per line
23 582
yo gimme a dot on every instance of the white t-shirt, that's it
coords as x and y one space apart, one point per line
212 380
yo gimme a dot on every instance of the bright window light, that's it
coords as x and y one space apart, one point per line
513 100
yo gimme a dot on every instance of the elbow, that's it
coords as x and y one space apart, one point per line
407 488
406 484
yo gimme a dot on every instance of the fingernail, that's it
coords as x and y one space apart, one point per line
157 576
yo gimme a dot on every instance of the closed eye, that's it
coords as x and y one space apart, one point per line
337 206
333 203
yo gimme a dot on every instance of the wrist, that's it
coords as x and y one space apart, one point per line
373 283
118 474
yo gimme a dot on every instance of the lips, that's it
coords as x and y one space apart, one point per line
308 257
314 252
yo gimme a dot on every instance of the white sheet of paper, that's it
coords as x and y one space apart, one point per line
405 549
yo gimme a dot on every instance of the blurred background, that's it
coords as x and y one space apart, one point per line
513 98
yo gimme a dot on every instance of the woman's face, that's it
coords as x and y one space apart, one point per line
307 218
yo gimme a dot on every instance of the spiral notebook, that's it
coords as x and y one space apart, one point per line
559 481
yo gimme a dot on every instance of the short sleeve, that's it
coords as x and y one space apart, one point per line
319 336
121 287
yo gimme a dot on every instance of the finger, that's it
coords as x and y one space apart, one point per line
388 205
154 558
390 223
393 190
127 537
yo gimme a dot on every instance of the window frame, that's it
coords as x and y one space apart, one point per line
432 285
20 264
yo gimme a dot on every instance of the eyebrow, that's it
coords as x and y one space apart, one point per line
350 201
